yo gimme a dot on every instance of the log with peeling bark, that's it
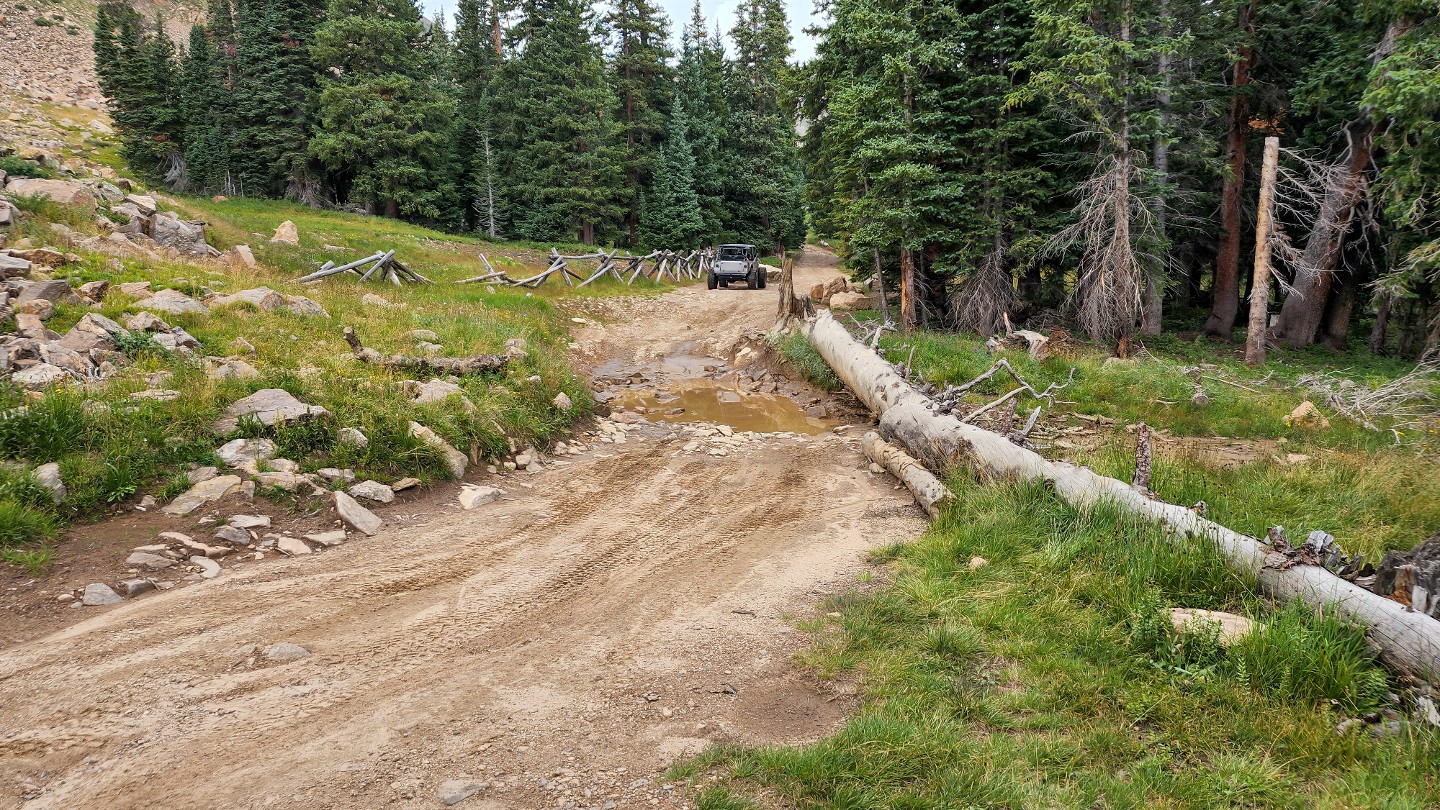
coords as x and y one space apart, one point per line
922 483
1409 642
460 366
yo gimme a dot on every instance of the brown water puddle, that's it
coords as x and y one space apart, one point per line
702 400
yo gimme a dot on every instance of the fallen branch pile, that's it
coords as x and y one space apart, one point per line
383 265
625 269
1408 641
1407 402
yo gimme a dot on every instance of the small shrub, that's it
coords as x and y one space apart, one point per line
20 167
119 483
22 525
44 22
139 344
798 352
46 430
33 560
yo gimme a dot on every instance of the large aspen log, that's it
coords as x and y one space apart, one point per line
926 488
1408 642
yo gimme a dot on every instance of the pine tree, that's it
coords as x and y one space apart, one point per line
274 94
207 141
765 183
701 90
476 60
139 72
383 121
643 87
561 156
672 219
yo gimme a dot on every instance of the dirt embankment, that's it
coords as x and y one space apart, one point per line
619 610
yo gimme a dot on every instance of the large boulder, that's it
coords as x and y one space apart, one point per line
286 234
56 292
172 302
849 301
94 331
64 192
40 376
170 231
268 406
13 266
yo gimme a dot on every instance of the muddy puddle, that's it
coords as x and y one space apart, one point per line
704 400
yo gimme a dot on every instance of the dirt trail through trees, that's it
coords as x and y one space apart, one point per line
559 648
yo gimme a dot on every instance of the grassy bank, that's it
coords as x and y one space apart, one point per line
1050 677
112 449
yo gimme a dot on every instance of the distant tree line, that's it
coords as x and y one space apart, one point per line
1098 158
541 120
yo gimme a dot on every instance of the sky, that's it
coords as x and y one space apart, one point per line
800 12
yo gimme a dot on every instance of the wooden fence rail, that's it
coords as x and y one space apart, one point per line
661 264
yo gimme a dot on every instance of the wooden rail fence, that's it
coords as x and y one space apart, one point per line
625 269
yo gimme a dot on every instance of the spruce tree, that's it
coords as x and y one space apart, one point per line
383 122
642 82
672 219
701 90
561 149
477 56
274 96
207 141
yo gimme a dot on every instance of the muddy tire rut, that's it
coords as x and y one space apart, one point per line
616 612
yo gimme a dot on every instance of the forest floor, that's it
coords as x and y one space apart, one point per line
619 611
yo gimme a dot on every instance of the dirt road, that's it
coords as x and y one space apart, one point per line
623 608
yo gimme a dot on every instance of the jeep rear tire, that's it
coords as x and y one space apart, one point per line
711 282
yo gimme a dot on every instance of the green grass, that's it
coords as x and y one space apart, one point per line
111 448
16 166
1050 677
800 355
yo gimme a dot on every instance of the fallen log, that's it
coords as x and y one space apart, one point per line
1408 642
926 488
460 366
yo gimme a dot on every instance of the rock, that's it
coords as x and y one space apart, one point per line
240 452
209 569
293 546
562 401
94 291
234 369
335 475
356 516
170 231
12 267
268 406
1232 627
98 593
241 346
976 563
372 491
203 493
135 587
849 301
40 376
285 651
1307 415
287 481
233 535
241 256
332 538
404 484
249 521
439 391
267 300
725 430
45 257
144 559
147 322
353 437
172 302
284 465
455 460
454 791
135 289
144 202
40 308
373 300
286 234
425 335
48 476
156 395
56 292
7 213
64 192
1412 576
473 497
199 474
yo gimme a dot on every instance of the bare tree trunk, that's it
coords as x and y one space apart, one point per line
1304 309
907 288
489 190
1258 331
1226 290
1378 333
1336 329
880 285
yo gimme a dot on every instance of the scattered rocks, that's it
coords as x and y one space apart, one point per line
268 300
1232 627
473 497
404 484
285 651
335 475
439 391
234 535
268 406
48 476
356 516
353 437
244 452
144 559
98 594
234 370
455 460
331 538
249 521
205 492
562 401
64 192
209 569
1307 415
135 587
172 302
454 791
293 546
372 491
286 234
